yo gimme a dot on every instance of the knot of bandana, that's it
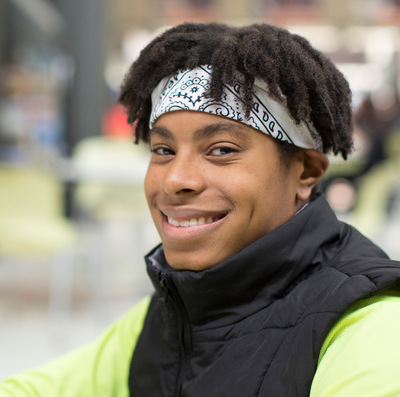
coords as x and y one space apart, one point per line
185 91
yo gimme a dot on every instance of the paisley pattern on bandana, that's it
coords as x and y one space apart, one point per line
186 89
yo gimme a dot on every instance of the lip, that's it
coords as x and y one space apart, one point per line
182 233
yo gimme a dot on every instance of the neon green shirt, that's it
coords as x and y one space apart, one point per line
361 354
360 357
100 369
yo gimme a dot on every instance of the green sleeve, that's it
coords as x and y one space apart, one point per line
99 369
360 356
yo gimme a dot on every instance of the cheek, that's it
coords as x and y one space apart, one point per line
269 194
151 185
147 190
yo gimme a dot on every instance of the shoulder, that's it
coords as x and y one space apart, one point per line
132 322
97 369
360 353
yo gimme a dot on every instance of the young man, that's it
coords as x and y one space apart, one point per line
259 289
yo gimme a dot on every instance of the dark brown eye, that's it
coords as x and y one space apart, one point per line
222 151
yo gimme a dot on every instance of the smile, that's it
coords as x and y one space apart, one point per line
185 225
193 221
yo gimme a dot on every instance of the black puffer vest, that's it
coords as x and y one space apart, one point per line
254 324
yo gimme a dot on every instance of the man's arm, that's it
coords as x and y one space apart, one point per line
360 356
99 369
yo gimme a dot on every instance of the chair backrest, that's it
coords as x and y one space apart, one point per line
31 213
375 191
29 193
110 174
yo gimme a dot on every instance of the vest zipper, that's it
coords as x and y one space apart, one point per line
184 336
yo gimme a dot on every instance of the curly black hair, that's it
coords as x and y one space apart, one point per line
297 74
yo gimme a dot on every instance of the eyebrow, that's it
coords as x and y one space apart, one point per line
206 132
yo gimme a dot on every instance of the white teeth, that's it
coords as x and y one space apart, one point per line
173 222
191 222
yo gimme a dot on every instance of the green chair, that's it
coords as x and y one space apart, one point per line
33 230
375 190
31 214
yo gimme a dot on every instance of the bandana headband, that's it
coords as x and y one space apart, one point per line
185 91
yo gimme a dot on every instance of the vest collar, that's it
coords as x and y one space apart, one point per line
255 277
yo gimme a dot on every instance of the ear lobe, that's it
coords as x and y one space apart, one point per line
314 166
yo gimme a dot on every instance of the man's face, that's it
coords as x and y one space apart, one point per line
214 186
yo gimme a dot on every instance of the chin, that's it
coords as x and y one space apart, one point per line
188 262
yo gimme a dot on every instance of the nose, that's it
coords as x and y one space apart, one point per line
183 177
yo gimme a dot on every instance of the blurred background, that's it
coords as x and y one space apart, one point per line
74 226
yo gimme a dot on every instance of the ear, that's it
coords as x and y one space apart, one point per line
314 166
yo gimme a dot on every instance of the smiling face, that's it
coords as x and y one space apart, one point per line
214 186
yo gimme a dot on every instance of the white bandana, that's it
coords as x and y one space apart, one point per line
185 91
